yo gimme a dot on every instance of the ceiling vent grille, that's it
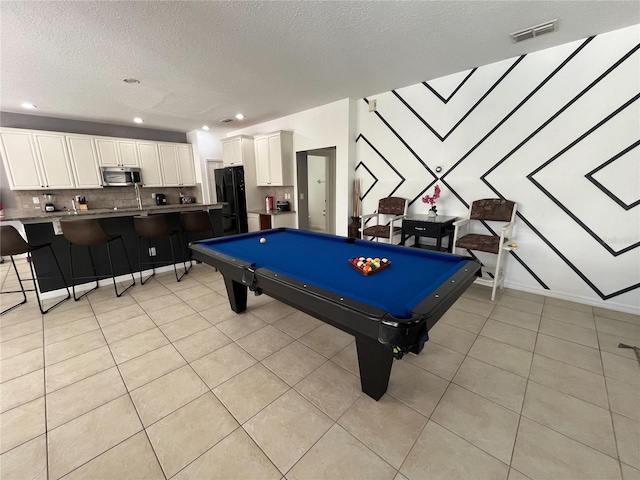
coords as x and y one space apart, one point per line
226 120
535 31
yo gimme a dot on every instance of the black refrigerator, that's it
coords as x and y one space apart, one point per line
230 190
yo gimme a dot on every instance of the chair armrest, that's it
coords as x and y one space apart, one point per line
370 215
507 226
397 217
459 223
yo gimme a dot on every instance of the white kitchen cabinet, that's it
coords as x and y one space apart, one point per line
274 159
128 153
177 166
20 160
186 168
54 160
237 150
116 152
149 164
284 220
84 161
253 222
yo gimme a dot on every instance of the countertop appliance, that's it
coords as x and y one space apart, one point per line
187 199
283 206
161 199
120 176
48 203
230 189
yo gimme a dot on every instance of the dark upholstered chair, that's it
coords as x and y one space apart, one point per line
194 222
391 210
488 210
12 243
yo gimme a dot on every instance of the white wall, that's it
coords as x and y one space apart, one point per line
206 145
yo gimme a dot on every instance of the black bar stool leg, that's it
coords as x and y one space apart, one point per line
173 259
24 293
133 278
153 270
66 286
186 253
73 281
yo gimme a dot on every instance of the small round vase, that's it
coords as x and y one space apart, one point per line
431 214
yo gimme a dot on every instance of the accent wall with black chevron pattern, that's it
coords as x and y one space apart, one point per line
557 131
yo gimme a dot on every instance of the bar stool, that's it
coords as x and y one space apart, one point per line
88 233
195 222
154 227
12 243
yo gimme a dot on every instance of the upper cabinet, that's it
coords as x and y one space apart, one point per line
20 160
117 153
274 159
237 150
84 161
150 164
176 162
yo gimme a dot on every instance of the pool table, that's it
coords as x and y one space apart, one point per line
389 312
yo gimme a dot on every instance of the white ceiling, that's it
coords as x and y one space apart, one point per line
202 61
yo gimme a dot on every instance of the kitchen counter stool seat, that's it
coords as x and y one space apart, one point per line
154 227
12 243
195 222
89 233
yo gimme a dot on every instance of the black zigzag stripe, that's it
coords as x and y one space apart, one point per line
375 179
402 179
422 192
445 101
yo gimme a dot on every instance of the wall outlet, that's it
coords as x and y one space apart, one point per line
152 251
153 195
373 105
35 199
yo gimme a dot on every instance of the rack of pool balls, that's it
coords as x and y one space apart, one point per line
369 266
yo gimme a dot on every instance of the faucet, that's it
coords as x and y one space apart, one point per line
73 205
138 199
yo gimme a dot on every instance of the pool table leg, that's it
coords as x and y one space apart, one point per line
237 293
375 366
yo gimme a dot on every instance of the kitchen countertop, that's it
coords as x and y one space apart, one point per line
39 216
270 212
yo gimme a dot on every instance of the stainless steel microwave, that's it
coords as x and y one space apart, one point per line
120 176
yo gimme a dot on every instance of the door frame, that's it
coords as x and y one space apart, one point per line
303 194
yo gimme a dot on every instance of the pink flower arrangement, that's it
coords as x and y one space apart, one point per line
431 199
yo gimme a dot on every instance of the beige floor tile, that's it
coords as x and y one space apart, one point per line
111 304
609 343
331 388
618 327
21 390
184 327
628 439
506 333
104 293
479 421
193 292
20 345
273 311
347 358
236 456
465 320
119 315
264 342
150 366
74 369
21 424
137 345
514 317
566 315
516 475
241 325
622 369
76 442
415 387
326 340
169 281
206 301
26 462
437 359
147 292
622 316
254 301
71 347
160 303
541 453
520 304
500 386
133 326
250 391
339 455
574 381
57 318
132 459
438 453
571 416
21 364
578 307
501 355
476 307
286 429
624 398
187 433
452 337
293 362
387 427
71 329
629 473
221 365
217 286
19 329
20 315
83 396
171 313
218 314
569 352
201 343
159 398
297 324
482 293
567 331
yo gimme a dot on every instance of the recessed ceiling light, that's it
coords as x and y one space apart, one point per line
28 106
205 127
138 120
240 116
132 81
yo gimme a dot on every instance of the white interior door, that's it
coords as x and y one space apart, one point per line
317 192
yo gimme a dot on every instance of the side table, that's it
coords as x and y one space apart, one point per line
432 227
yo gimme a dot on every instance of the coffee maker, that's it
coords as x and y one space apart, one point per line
161 199
48 203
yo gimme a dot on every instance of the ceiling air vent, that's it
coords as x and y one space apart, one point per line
535 31
226 120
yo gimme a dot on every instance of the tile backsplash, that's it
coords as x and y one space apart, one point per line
108 197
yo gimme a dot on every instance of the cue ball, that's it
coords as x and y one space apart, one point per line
263 240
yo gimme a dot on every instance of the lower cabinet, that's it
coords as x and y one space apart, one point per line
253 221
265 222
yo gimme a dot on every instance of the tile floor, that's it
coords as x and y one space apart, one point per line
167 382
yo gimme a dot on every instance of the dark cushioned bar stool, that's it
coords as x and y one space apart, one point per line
154 227
12 243
195 222
89 233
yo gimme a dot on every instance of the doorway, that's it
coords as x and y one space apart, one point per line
316 190
211 178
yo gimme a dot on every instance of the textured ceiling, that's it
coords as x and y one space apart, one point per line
202 61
